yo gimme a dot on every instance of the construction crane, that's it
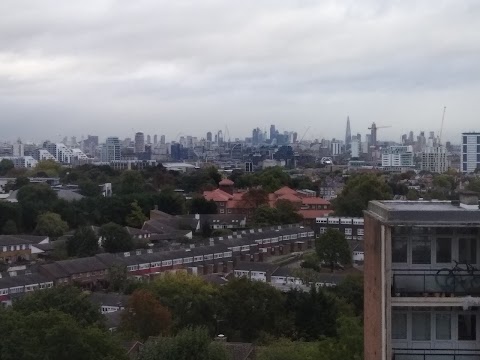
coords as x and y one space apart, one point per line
373 133
441 128
305 133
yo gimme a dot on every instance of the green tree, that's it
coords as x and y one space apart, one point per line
9 228
115 238
251 307
288 350
351 290
84 242
187 345
67 299
145 315
193 301
412 194
35 199
118 278
288 212
131 182
5 166
358 191
199 205
315 313
474 185
332 249
348 344
255 197
51 224
47 168
136 218
17 184
89 188
60 337
12 212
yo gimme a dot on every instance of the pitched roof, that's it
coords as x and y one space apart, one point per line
284 191
226 182
315 201
313 214
135 231
256 266
81 265
55 270
290 197
109 299
217 195
8 240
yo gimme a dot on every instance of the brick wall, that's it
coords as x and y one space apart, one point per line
373 290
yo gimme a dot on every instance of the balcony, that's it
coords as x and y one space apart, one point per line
434 282
418 354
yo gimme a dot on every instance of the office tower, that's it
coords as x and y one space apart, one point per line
404 139
397 158
273 132
410 138
348 134
470 152
355 147
209 136
149 139
420 305
139 142
111 149
294 137
434 159
18 148
336 147
155 139
162 139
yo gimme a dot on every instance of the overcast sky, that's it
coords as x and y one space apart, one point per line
110 67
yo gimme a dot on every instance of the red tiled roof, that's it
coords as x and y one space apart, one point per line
290 197
284 191
315 201
217 195
312 214
226 182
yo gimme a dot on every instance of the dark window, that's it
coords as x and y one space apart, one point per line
444 250
464 167
399 328
464 157
399 250
467 251
421 328
478 139
478 157
464 148
421 250
443 327
464 139
478 148
467 327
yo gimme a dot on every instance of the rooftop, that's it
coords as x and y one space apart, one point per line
438 213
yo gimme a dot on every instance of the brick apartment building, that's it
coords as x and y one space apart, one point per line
420 305
232 201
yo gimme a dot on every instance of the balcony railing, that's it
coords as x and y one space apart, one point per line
442 282
420 354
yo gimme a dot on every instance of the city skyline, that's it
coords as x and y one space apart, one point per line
116 68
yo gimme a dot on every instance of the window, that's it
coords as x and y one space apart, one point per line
421 250
421 326
467 251
467 327
399 250
444 250
443 327
348 231
399 326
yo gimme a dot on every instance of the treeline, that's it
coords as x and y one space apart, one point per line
184 309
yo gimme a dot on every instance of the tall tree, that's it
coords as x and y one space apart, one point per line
67 299
136 218
145 315
5 166
9 228
60 337
332 248
84 242
115 238
255 197
187 345
51 224
131 182
199 205
35 199
358 191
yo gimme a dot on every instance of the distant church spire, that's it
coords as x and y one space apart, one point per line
348 133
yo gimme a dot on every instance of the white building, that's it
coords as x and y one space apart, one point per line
139 142
434 159
470 152
27 162
61 152
336 148
18 149
44 154
397 157
355 148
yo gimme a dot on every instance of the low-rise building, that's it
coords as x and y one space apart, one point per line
353 228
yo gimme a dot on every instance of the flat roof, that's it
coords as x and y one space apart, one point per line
433 213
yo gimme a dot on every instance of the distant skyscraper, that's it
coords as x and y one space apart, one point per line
470 152
273 132
209 136
162 139
111 149
348 135
18 148
139 142
155 139
149 139
410 137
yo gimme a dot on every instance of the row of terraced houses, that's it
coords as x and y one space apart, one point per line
220 256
